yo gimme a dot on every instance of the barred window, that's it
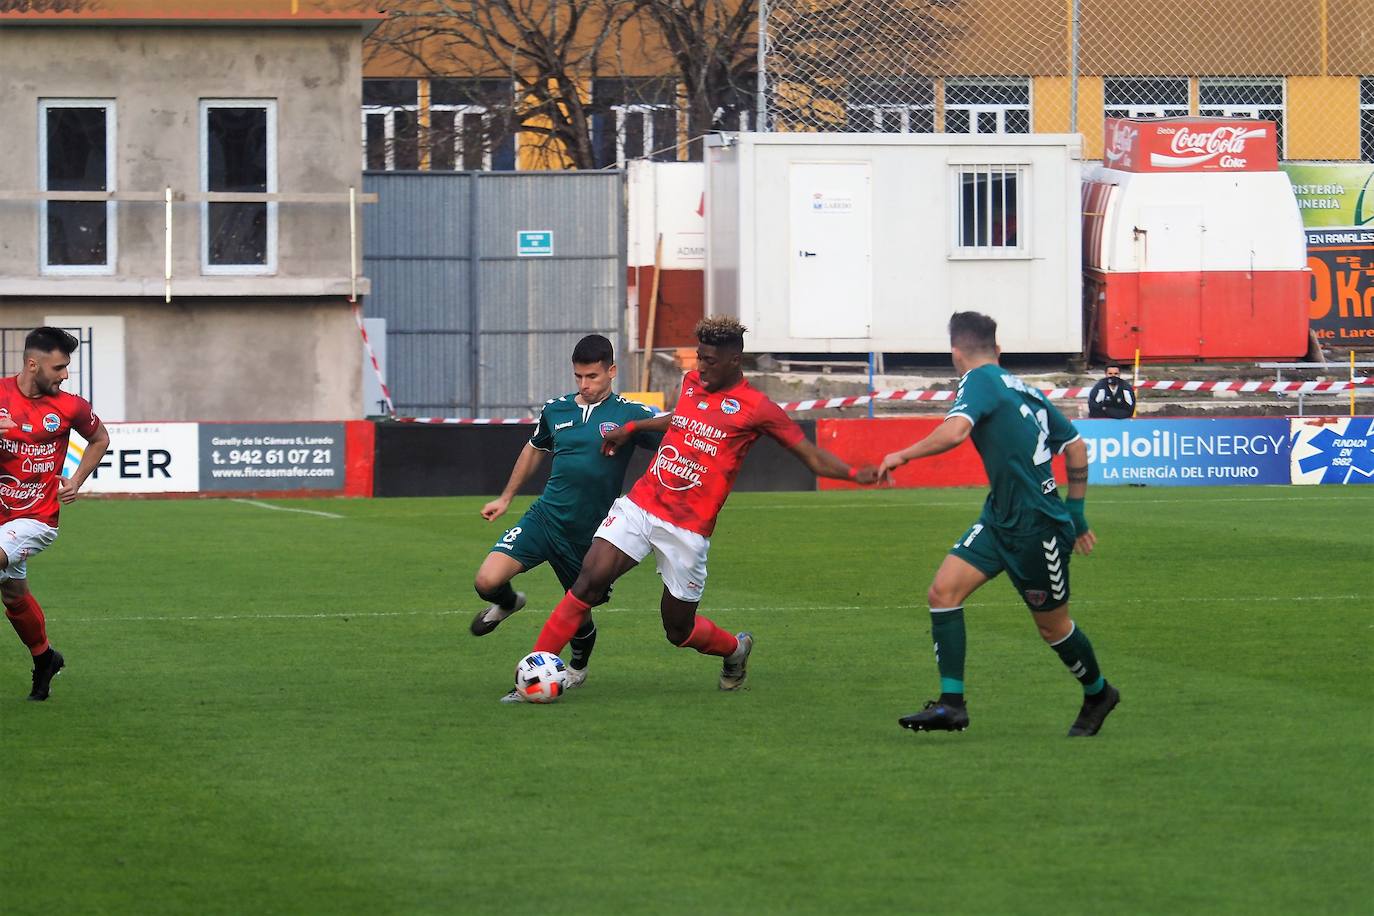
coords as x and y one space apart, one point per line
1258 98
1145 97
989 210
76 153
987 106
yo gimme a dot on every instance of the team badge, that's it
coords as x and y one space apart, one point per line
729 405
607 427
51 422
1034 596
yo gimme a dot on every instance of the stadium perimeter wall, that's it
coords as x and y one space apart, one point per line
365 458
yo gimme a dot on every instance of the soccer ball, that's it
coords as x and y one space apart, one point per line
541 677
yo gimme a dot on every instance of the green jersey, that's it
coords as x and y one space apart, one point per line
583 482
1016 432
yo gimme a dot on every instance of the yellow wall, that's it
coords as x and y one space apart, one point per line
1050 109
1323 117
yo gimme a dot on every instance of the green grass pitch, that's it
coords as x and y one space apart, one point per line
277 712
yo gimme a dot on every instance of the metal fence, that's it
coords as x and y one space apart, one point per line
80 372
1020 66
488 279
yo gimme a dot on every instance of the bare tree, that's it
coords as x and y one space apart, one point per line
713 45
547 50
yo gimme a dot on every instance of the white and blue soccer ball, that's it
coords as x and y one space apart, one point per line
541 677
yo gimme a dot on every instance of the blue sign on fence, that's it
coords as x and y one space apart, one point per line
1185 452
534 243
1333 450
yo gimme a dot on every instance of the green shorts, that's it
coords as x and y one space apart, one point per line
533 540
1036 561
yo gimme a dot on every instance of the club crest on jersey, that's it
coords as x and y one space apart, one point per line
607 427
729 405
51 422
1035 596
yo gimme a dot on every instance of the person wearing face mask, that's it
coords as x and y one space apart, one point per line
1112 397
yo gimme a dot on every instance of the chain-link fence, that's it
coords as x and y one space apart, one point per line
1020 66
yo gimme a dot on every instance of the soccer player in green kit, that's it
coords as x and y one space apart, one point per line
1025 529
558 527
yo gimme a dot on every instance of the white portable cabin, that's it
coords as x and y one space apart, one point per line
849 243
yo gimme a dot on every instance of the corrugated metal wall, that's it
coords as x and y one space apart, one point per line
492 340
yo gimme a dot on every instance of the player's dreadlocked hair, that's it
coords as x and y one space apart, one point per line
973 331
721 331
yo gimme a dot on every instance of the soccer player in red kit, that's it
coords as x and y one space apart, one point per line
672 509
36 420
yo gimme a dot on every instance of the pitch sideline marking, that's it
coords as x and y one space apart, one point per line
261 505
328 615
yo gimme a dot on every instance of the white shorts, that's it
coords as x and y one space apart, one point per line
20 539
681 554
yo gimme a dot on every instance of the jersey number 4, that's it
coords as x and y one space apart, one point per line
1041 419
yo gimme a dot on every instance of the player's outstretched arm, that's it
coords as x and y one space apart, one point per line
621 436
1076 461
941 439
96 444
828 464
525 466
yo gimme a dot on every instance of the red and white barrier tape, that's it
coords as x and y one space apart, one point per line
376 368
1054 394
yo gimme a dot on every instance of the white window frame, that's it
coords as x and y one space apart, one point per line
645 110
389 128
1148 109
1000 109
878 112
744 118
1022 249
270 105
1248 110
458 112
111 177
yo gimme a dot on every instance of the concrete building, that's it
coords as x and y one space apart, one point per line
176 183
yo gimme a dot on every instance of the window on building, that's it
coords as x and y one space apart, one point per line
238 154
76 153
1367 118
636 118
469 125
888 106
1145 97
391 124
737 113
1258 98
989 210
987 106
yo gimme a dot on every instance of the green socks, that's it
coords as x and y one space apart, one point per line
947 630
1077 655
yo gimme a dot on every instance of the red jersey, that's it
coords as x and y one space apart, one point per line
701 453
32 454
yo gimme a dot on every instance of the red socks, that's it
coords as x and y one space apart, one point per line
709 639
27 619
562 624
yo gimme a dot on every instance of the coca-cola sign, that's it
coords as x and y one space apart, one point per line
1190 145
